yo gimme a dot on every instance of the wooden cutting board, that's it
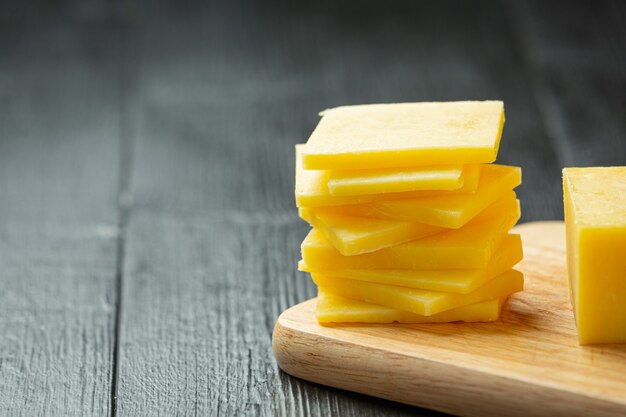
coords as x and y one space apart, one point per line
528 363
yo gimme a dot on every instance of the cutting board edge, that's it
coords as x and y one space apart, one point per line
448 387
445 387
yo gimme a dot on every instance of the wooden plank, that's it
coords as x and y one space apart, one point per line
527 363
196 338
576 62
58 234
222 93
242 96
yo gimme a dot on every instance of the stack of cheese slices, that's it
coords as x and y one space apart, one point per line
410 220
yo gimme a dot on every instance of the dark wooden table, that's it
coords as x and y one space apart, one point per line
148 235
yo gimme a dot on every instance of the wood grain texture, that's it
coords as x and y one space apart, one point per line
527 363
59 97
193 109
219 94
577 74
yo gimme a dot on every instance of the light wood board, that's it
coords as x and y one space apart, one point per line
528 363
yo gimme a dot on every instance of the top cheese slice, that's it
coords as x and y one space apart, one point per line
312 187
405 134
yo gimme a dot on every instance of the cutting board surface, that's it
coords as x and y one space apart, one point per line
528 363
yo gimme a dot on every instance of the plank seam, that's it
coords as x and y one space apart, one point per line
124 197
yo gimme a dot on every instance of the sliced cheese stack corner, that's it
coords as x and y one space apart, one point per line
410 220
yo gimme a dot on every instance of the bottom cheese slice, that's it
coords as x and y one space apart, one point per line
416 301
460 281
333 308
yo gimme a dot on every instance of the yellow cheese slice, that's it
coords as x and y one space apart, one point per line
595 222
470 247
393 180
460 281
336 309
422 302
405 134
355 235
451 211
471 178
312 188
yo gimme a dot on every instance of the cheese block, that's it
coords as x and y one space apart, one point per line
422 302
470 247
595 221
452 211
312 189
405 134
379 181
460 281
354 235
336 309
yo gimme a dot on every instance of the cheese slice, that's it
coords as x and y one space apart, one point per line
422 302
379 181
311 188
470 247
460 281
452 211
595 223
336 309
354 235
405 134
358 235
